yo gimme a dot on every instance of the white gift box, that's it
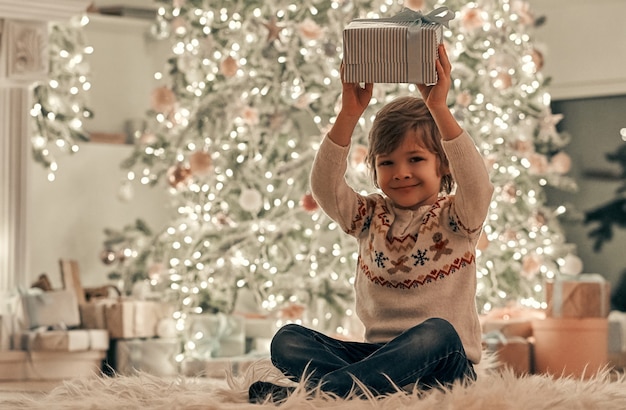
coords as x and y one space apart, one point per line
154 356
53 308
63 340
617 332
217 335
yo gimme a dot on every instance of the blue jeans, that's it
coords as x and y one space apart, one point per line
430 354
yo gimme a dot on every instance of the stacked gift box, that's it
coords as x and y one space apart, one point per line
573 338
507 336
576 335
45 341
142 333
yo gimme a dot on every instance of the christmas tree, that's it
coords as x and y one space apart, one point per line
250 89
60 104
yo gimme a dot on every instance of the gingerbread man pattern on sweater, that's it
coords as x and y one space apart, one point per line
412 264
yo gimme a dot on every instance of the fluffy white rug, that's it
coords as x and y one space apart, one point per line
497 390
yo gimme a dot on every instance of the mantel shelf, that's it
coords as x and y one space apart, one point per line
42 10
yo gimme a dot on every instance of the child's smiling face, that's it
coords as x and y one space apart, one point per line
410 175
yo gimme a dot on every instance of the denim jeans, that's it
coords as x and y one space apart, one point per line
430 354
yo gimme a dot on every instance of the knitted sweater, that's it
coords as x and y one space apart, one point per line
412 264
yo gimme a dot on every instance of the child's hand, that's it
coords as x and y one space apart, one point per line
436 95
354 98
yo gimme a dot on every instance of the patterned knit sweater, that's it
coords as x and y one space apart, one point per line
412 264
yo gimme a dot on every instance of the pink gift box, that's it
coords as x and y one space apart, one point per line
570 346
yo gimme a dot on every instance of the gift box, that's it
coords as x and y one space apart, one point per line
400 49
617 332
216 335
7 326
617 339
217 368
570 346
586 295
52 308
63 340
63 365
132 318
510 321
10 304
514 353
154 356
17 365
92 314
12 365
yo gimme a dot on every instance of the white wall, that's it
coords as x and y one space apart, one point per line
594 126
585 47
67 217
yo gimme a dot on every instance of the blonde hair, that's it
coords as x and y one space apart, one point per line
391 125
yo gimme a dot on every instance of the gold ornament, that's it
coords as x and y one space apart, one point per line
163 99
108 256
200 163
178 176
229 67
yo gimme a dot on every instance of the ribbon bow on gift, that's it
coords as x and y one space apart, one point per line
440 15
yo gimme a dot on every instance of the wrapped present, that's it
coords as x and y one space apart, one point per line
400 49
586 295
8 326
514 353
570 346
216 368
617 339
515 321
132 318
13 365
154 356
64 365
617 332
92 314
53 308
216 335
19 365
63 340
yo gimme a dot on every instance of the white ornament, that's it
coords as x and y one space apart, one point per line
572 265
251 200
125 193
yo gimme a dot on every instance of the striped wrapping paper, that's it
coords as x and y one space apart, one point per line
387 51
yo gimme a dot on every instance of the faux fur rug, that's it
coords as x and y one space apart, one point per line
497 390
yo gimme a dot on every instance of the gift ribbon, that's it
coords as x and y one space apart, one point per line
494 338
557 291
440 16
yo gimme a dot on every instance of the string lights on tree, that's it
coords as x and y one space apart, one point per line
60 104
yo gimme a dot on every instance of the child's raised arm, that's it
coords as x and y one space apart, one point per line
435 97
354 101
